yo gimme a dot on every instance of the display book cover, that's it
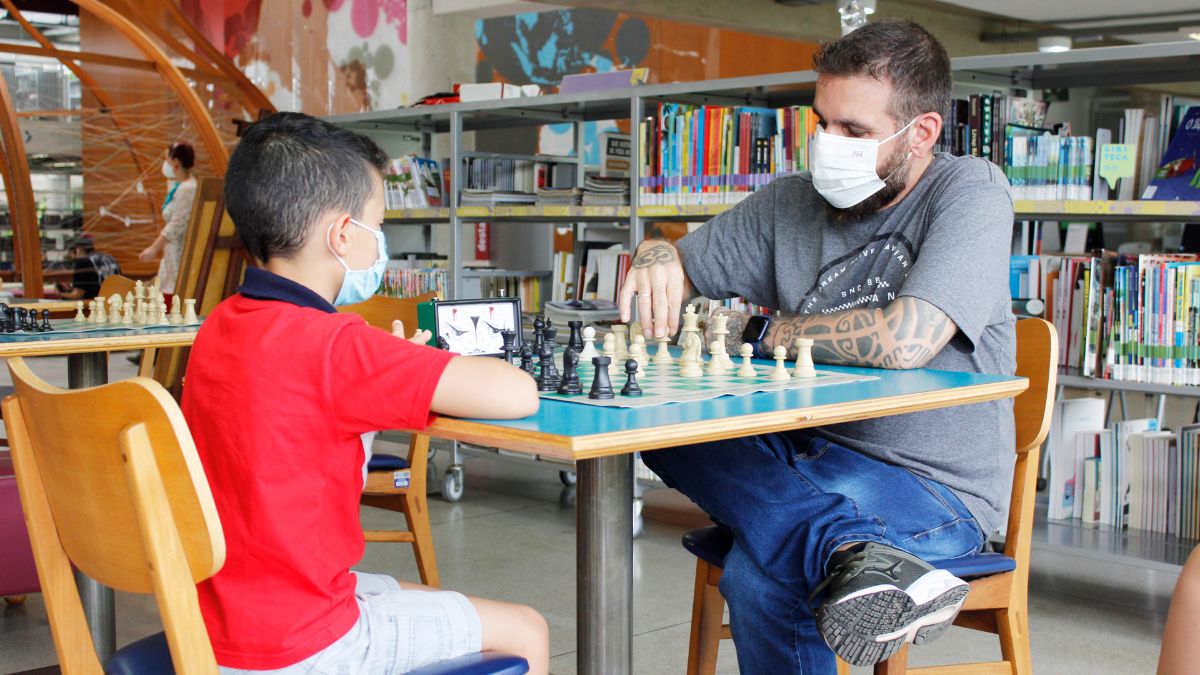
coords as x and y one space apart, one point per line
1178 174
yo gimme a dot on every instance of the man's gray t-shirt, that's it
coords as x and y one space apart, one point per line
947 242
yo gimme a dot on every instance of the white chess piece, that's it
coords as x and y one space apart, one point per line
716 365
719 332
637 351
635 328
91 318
804 362
689 364
163 319
79 315
610 350
780 371
127 314
100 316
189 311
139 291
663 357
176 310
114 307
589 345
621 333
747 369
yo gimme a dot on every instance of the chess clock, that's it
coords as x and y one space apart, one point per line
475 327
756 331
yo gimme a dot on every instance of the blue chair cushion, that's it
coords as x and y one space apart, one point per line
152 656
148 656
386 463
710 544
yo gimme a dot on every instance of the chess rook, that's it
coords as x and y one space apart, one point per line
601 384
804 362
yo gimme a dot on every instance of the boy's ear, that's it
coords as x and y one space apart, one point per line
337 235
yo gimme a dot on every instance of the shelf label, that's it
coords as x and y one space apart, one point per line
1117 160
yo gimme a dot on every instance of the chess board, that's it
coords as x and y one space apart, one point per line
662 384
68 326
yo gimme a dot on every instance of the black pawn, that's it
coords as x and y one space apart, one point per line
22 319
601 385
576 340
631 387
46 327
527 358
442 344
539 325
570 385
548 378
510 344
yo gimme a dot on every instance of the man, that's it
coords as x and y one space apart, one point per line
89 269
886 255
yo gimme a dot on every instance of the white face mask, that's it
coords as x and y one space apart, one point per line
168 170
843 168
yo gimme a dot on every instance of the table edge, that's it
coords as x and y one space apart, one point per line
68 346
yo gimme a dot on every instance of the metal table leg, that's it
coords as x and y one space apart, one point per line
90 370
604 562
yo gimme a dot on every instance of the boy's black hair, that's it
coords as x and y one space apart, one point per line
184 153
289 171
898 51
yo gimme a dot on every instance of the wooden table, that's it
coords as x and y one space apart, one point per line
87 366
602 441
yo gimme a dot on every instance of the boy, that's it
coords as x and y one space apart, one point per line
280 388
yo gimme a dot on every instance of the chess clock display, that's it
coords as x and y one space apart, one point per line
477 327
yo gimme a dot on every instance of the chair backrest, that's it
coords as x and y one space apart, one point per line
1037 347
380 310
110 482
116 284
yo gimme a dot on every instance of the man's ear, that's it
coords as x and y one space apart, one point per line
337 235
928 128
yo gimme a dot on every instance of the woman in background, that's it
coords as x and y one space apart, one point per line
177 210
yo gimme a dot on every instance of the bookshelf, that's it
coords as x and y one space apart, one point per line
1129 65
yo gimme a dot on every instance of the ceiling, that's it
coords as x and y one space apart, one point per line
1091 20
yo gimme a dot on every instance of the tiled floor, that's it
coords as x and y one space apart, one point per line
512 538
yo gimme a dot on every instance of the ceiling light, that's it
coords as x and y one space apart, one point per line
1191 31
1054 43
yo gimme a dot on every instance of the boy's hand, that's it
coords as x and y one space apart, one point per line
420 337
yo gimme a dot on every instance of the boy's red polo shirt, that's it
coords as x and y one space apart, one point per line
279 388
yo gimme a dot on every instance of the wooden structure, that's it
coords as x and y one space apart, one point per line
137 480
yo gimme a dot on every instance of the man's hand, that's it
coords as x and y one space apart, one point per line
657 278
420 337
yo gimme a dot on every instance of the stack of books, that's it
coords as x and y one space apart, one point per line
559 196
598 191
472 197
412 183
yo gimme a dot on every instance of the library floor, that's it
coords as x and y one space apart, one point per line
512 537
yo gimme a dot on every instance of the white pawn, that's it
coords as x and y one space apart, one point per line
747 369
663 357
79 316
127 314
804 362
610 350
620 333
100 316
189 311
176 311
139 313
129 298
716 365
163 319
780 371
637 351
91 311
589 345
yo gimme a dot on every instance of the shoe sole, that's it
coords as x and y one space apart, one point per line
870 625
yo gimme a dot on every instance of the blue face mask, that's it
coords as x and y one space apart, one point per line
358 285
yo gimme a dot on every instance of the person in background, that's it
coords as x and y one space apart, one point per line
177 210
1180 650
89 269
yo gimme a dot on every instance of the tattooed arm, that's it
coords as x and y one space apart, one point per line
657 277
905 334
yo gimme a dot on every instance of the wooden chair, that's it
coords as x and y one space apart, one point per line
111 484
116 284
998 600
380 311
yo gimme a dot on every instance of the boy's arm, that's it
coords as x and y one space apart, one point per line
484 387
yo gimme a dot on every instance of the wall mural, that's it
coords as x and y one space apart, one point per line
543 47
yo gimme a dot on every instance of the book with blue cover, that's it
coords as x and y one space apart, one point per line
1178 174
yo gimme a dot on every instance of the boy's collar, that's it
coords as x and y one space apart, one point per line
263 285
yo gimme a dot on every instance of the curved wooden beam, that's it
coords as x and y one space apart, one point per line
227 68
217 155
22 214
86 79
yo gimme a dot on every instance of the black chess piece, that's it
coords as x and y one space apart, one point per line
576 340
46 327
442 344
510 344
549 336
631 387
22 319
601 386
539 325
527 358
548 377
570 385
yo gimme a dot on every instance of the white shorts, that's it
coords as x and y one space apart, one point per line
398 630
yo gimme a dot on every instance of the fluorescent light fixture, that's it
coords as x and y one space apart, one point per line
1054 43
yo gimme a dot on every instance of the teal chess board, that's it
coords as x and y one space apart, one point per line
662 384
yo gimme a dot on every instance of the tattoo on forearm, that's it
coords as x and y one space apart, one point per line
905 334
655 255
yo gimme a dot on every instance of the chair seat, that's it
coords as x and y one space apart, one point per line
387 463
711 544
151 656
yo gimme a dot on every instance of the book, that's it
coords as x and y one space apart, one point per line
1071 417
1178 173
1090 509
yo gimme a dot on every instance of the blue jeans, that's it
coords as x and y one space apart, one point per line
792 499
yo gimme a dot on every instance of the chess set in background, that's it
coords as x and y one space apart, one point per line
143 308
661 378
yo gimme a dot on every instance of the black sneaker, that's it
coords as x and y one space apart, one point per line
881 597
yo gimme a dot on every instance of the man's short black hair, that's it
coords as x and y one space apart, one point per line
899 52
291 169
84 242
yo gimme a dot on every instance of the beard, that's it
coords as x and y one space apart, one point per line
893 185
